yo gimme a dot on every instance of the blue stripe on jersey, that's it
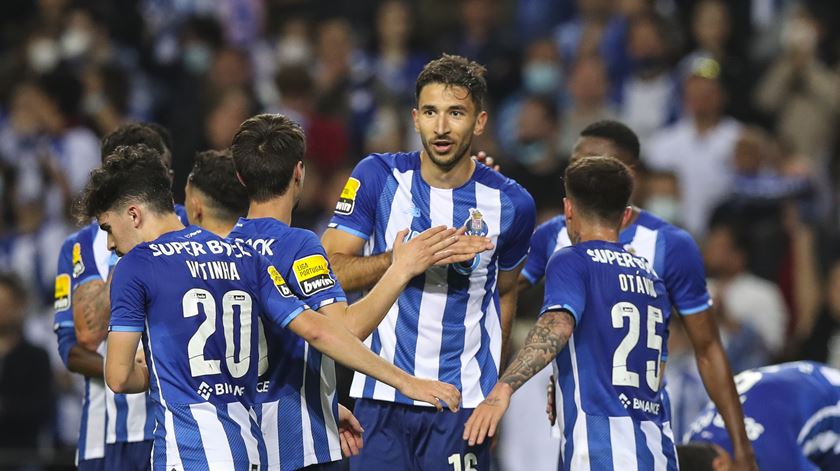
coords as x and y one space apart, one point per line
83 427
189 440
598 438
122 417
289 420
670 452
352 231
238 450
380 244
256 432
313 404
489 373
375 347
570 412
409 302
149 428
659 258
457 297
644 457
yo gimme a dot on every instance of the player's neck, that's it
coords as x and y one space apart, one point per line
446 178
633 217
598 232
279 208
156 226
217 226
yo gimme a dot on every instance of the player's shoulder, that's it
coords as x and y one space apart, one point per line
571 256
674 237
387 162
508 187
69 241
552 226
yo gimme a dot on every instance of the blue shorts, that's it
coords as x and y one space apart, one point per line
97 464
133 456
415 438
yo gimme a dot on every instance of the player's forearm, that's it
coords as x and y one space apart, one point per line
545 340
364 316
356 273
85 362
507 304
91 311
333 340
717 378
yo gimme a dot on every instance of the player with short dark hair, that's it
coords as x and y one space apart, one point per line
451 322
214 197
792 417
202 385
676 259
268 151
605 322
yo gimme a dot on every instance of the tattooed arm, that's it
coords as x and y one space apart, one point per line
91 312
544 342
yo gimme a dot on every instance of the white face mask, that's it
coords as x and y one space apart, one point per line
666 207
75 42
43 55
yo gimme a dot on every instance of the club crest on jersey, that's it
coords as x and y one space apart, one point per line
347 200
78 266
313 274
62 292
475 224
279 282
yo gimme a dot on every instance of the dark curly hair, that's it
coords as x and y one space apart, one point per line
130 174
455 71
214 174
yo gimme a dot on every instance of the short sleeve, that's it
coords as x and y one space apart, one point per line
128 295
280 305
519 217
565 284
66 336
83 259
684 275
64 285
311 277
355 211
542 245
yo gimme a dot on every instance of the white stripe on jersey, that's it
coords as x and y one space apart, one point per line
653 437
398 221
136 419
173 456
213 437
489 202
580 443
623 443
101 254
94 446
563 239
644 243
270 433
240 415
432 304
825 412
328 390
306 422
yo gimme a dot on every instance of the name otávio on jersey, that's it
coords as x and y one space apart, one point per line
627 282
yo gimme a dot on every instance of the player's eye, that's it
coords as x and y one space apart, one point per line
429 112
457 113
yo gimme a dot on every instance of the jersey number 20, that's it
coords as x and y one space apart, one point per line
238 367
621 375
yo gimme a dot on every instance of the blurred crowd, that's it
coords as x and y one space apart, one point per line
735 104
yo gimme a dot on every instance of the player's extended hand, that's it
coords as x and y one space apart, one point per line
551 404
423 250
434 392
465 248
349 432
482 157
486 417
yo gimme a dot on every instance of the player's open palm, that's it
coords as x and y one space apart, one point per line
434 392
485 418
465 248
423 250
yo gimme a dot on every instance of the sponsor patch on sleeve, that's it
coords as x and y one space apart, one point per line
62 292
279 282
347 200
78 266
313 274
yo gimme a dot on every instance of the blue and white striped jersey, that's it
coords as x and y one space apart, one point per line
446 324
670 250
299 405
91 444
203 342
792 416
613 411
127 415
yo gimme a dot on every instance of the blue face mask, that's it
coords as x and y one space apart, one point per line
542 78
197 58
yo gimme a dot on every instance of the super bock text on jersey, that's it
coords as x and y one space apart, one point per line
297 395
204 343
610 403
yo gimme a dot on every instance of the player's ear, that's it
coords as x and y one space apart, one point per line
136 215
414 118
239 177
480 122
567 208
628 214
